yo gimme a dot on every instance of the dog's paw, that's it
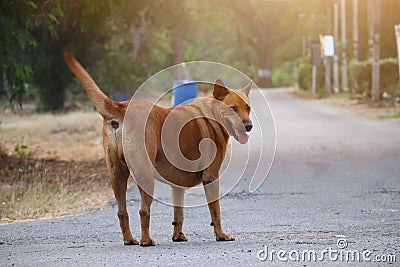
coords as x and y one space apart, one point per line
225 237
180 237
134 241
147 242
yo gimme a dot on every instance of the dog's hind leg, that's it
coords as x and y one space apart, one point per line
144 177
178 194
140 152
119 175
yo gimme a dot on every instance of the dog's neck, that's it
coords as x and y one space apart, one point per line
203 105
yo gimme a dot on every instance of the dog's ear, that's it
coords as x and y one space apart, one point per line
220 82
220 91
247 88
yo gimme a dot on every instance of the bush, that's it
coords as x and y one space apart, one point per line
304 72
304 75
360 74
283 75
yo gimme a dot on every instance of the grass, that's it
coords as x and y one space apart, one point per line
36 188
394 115
51 165
75 135
341 99
356 103
306 94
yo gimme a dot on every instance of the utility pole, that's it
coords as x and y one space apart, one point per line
317 61
314 81
336 37
355 43
370 15
355 30
344 56
377 51
374 13
304 45
327 58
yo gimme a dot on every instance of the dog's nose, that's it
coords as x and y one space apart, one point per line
248 125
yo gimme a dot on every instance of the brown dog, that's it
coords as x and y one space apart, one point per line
167 143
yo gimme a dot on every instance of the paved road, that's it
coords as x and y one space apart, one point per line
336 176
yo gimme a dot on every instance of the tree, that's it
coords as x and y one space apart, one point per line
82 28
269 26
123 42
17 20
33 36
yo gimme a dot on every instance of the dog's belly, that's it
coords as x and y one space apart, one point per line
174 175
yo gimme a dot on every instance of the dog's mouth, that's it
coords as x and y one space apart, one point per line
240 135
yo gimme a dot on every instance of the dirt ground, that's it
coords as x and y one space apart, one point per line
13 167
62 152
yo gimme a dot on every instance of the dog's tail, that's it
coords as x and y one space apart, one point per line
104 105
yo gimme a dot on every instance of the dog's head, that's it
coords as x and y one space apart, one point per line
237 118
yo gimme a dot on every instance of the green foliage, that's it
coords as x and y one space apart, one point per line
215 37
304 75
395 115
33 36
17 20
14 33
3 152
22 150
361 76
283 75
123 42
83 20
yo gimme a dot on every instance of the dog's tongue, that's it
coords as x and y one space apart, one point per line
242 136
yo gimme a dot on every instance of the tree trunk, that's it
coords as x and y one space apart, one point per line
51 77
137 38
52 93
265 64
177 57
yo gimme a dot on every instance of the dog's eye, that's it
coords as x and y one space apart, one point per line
248 109
233 109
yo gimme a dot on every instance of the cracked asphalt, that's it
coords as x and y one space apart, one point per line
336 176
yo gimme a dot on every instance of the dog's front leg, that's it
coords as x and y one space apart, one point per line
211 188
178 194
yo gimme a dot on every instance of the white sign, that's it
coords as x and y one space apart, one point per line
329 46
264 73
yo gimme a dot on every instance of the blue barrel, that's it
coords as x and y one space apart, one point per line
183 91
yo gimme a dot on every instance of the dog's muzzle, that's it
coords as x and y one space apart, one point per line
248 125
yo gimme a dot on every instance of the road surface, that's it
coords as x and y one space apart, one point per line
333 190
